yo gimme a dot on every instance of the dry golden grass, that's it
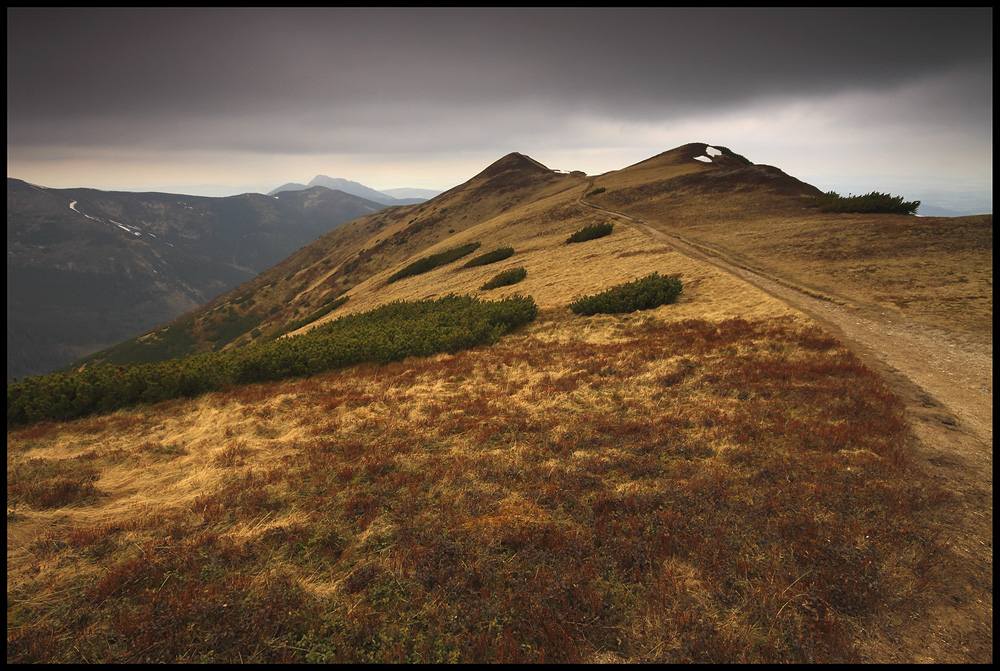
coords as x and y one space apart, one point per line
559 273
935 270
714 480
622 476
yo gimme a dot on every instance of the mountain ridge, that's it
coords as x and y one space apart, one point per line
493 204
794 441
88 268
512 189
351 187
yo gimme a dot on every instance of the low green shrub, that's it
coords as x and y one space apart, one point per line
870 203
389 333
433 261
491 257
328 306
591 232
642 294
506 278
597 191
173 341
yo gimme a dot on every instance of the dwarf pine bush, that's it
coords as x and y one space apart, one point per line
433 261
389 333
506 278
642 294
328 306
491 257
591 232
870 203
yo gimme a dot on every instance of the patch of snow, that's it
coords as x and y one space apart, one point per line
126 228
72 206
712 151
703 159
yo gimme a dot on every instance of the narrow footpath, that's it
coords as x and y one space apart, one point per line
945 378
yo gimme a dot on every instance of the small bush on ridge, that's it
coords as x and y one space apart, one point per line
433 261
871 203
491 257
642 294
506 278
591 232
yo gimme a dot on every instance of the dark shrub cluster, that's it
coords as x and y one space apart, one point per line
870 203
597 191
170 342
389 333
591 232
642 294
506 278
433 261
491 257
328 306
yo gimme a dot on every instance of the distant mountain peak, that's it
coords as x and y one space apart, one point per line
514 162
337 183
347 186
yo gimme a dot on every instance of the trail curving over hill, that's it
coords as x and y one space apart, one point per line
945 379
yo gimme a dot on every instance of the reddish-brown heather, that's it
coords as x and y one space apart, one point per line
690 490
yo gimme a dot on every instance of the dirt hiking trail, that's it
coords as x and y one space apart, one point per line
945 379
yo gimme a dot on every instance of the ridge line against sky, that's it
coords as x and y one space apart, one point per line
225 101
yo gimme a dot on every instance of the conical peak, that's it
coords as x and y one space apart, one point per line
514 162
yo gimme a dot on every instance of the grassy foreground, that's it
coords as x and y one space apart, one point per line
589 489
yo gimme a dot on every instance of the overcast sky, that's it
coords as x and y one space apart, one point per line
180 100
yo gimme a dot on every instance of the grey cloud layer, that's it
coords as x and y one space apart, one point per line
323 80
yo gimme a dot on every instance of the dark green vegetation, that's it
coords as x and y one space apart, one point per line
328 306
597 191
169 342
726 492
491 257
870 203
506 278
117 264
433 261
591 232
642 294
389 333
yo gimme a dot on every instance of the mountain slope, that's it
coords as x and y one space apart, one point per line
937 270
354 252
87 268
716 480
694 190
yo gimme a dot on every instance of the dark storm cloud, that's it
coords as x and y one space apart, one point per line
312 80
